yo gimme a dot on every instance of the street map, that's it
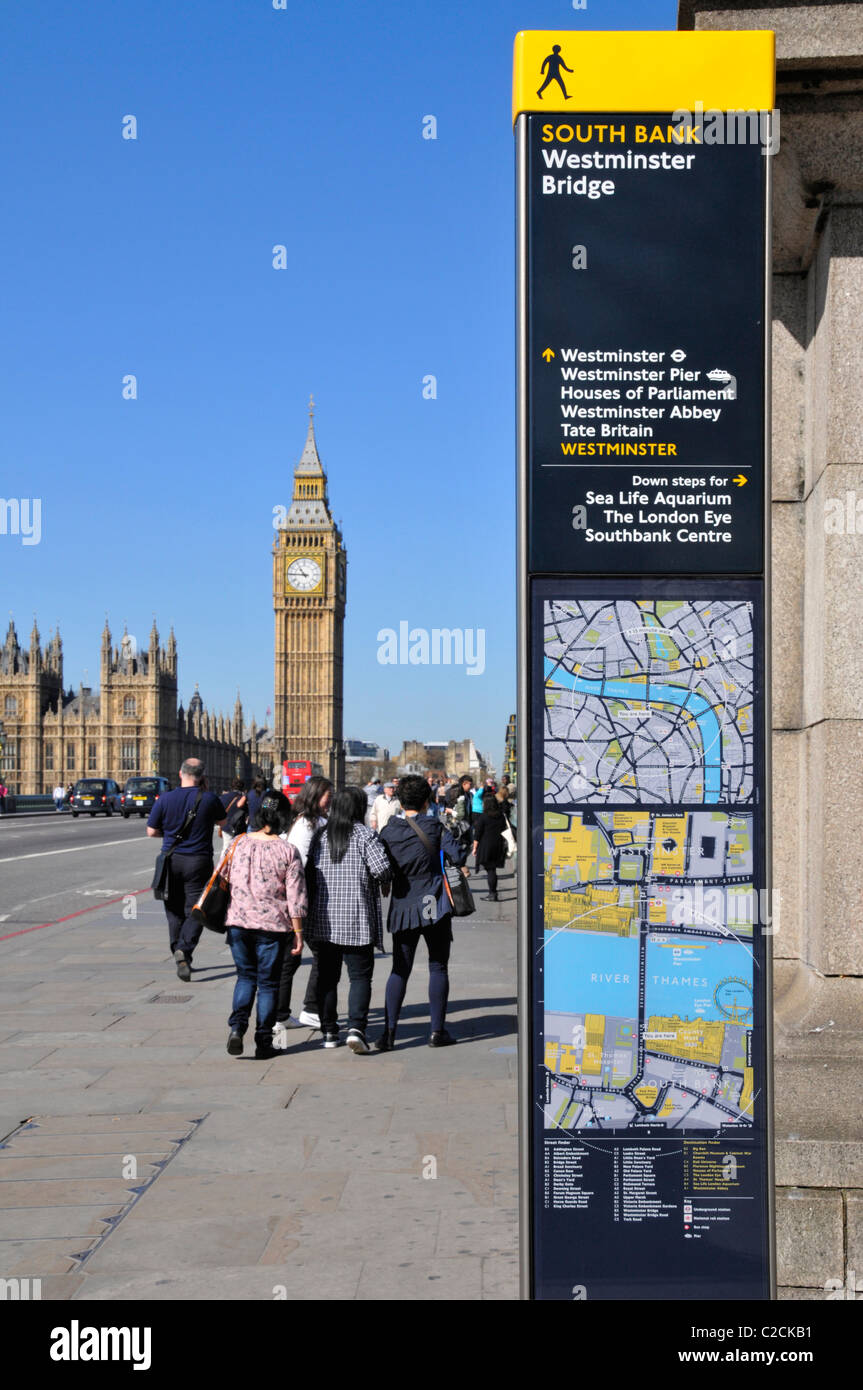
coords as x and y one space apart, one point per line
648 969
648 703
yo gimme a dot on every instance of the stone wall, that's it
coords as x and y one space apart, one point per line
817 597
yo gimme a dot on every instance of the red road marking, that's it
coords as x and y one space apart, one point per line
135 893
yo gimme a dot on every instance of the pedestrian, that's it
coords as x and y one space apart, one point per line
254 798
70 792
236 806
4 792
346 864
185 818
419 907
463 805
384 807
434 809
309 811
59 795
373 789
489 846
265 920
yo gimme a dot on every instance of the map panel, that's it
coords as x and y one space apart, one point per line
648 969
648 702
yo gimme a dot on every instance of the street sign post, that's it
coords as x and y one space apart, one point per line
645 910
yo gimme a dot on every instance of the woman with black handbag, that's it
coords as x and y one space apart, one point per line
420 906
264 919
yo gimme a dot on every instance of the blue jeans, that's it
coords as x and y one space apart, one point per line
258 957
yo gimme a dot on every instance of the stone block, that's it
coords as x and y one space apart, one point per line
789 808
787 597
833 600
818 1099
835 402
803 31
788 378
809 1237
818 1019
832 1163
834 823
854 1236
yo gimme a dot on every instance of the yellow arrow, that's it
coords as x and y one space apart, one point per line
548 354
739 480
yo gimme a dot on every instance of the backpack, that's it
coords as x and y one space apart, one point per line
237 818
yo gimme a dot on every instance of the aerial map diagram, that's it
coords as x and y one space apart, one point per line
648 969
648 702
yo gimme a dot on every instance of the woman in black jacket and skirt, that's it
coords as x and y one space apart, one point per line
419 907
489 846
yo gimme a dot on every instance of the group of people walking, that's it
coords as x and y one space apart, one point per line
314 875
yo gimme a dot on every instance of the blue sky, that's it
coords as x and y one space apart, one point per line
259 127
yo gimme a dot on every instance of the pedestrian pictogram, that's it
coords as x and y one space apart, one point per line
554 62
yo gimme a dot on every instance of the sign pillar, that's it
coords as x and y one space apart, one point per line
645 906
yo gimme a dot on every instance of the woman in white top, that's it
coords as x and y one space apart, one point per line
310 809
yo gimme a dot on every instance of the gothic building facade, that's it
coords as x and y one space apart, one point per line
132 727
135 725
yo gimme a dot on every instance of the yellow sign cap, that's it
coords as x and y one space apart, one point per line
659 70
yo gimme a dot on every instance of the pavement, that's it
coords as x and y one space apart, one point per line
140 1161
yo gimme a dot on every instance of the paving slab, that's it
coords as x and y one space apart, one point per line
426 1281
97 1166
247 1283
56 1222
31 1259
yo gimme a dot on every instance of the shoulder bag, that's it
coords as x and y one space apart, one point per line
456 888
162 875
212 906
509 839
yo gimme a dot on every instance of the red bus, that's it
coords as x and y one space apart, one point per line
294 774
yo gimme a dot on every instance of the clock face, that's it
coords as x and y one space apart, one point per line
304 574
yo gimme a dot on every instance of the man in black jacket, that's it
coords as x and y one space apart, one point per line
191 857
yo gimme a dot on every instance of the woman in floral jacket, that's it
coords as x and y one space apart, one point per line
265 919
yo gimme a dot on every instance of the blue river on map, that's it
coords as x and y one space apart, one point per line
694 704
683 975
589 972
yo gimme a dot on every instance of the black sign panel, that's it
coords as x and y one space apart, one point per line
646 1092
645 347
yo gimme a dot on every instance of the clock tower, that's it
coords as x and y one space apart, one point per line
309 585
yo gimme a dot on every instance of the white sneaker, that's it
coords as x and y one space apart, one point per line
280 1037
309 1020
356 1042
